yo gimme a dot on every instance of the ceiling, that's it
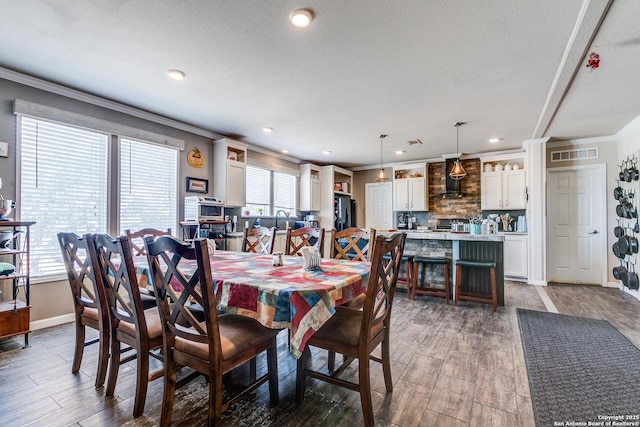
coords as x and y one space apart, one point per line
513 70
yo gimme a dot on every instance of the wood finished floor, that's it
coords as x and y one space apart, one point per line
452 366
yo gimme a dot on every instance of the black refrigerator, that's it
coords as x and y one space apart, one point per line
345 212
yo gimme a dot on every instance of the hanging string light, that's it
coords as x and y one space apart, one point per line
381 176
457 172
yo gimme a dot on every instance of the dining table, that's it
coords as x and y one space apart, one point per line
286 296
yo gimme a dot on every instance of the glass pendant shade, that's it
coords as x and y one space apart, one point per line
381 177
457 172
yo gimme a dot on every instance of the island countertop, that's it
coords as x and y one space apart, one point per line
447 235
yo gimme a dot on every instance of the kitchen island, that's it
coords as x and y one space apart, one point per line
484 247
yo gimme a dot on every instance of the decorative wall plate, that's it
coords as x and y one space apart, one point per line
195 158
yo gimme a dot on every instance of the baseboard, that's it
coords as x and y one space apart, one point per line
613 285
52 321
537 282
516 279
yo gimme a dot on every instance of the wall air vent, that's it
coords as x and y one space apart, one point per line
577 154
414 142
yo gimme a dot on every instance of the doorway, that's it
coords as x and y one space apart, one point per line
379 209
576 225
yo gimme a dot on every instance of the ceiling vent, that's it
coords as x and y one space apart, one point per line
414 142
577 154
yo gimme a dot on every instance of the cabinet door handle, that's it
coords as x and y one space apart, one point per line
593 232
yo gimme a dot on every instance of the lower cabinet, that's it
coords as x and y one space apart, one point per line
516 256
234 243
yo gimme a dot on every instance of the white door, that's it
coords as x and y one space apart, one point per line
379 209
576 225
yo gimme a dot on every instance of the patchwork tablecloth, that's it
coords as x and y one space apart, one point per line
285 296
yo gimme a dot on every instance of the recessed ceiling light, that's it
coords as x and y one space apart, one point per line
267 129
301 18
285 151
494 140
175 74
399 152
326 152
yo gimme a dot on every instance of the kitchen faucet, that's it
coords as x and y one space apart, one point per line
285 214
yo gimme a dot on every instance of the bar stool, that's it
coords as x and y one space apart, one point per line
407 279
473 296
427 261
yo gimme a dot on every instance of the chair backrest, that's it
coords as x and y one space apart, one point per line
118 275
382 285
133 236
352 243
172 260
87 289
297 239
258 240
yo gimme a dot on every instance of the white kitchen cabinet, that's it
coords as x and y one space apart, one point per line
515 256
280 241
230 161
310 188
504 190
234 243
410 188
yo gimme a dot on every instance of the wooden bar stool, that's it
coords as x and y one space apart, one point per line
407 278
474 296
428 261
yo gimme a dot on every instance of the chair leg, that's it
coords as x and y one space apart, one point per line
414 280
386 364
408 266
331 361
300 375
458 281
142 381
79 350
169 393
114 366
446 282
494 293
215 401
272 367
103 358
365 389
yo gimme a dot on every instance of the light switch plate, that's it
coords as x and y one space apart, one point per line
4 149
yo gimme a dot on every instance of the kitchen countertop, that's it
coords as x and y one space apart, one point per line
446 235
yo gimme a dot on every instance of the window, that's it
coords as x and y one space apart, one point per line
65 174
148 182
63 186
265 199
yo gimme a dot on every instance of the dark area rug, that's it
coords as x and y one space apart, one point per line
580 370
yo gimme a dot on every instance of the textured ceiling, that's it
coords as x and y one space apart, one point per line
513 70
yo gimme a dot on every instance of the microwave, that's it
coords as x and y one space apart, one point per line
198 208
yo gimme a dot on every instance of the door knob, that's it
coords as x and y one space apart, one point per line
593 232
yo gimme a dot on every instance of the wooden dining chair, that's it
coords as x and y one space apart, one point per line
258 240
131 324
89 301
297 239
138 250
352 243
356 333
213 347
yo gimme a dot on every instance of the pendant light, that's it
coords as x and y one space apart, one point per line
381 177
457 172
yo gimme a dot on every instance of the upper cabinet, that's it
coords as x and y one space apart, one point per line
504 184
410 187
310 188
230 161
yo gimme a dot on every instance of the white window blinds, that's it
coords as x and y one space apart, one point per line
148 186
258 191
284 192
63 187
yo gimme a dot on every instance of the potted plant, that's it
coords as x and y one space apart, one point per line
259 211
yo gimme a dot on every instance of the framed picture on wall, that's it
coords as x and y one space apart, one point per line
197 185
